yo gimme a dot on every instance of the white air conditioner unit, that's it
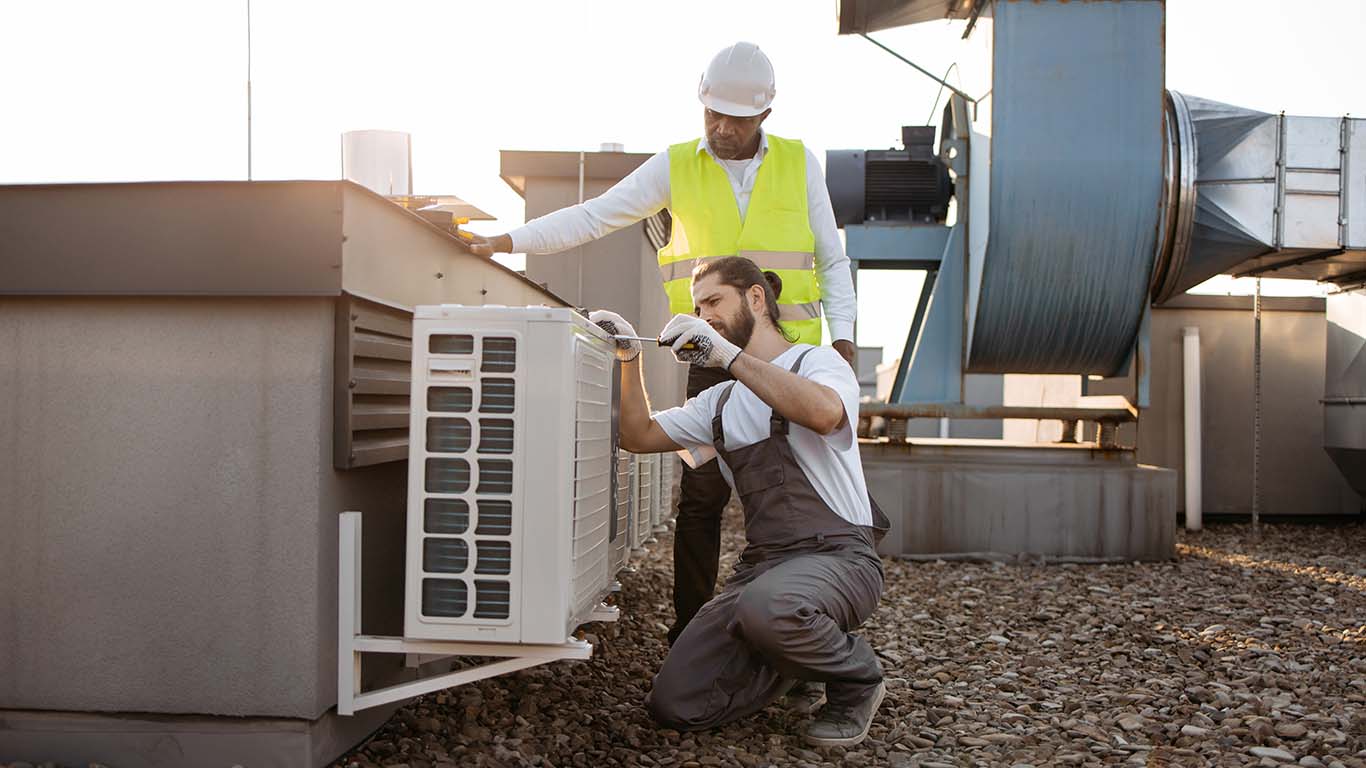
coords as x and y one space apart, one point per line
662 501
624 504
511 463
642 531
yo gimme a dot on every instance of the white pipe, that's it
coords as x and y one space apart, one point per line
1190 346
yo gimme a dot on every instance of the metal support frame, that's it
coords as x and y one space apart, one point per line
351 643
1106 419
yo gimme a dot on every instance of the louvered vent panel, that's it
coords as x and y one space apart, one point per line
621 545
644 523
372 370
592 471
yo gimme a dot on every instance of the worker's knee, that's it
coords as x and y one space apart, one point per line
664 708
766 620
672 702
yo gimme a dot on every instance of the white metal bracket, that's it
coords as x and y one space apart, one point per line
351 643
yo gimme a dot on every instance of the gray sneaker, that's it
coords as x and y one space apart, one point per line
844 725
805 697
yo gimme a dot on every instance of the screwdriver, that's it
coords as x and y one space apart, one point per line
660 342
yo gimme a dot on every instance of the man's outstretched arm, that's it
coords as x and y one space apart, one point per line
644 192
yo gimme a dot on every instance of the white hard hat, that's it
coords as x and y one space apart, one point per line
738 81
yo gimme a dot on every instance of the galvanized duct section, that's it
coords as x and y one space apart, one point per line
1230 218
1076 186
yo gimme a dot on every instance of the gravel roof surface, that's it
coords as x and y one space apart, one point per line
1240 652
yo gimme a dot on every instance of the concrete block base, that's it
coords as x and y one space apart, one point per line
177 741
993 499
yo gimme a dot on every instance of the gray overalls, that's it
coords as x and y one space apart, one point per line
805 579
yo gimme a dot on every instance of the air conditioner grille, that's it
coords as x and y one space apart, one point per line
500 355
495 517
447 598
451 344
495 476
450 399
492 599
448 435
493 558
445 556
497 396
449 475
448 516
495 436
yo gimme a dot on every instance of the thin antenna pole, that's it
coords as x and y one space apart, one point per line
248 90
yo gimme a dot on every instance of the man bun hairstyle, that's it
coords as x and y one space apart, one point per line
740 273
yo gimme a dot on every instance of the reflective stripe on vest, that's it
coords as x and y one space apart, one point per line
775 234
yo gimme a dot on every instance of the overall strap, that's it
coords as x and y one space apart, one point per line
718 432
777 424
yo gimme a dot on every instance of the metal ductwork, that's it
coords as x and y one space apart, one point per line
1249 192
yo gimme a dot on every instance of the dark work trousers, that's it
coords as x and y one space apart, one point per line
703 493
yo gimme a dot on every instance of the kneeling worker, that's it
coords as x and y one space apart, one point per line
784 431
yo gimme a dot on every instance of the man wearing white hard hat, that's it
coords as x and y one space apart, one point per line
737 190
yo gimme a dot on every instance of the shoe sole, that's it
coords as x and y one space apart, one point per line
850 741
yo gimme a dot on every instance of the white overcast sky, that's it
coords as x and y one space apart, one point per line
149 90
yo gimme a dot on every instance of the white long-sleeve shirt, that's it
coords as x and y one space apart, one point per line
646 191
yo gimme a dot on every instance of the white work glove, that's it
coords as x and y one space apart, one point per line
616 325
709 347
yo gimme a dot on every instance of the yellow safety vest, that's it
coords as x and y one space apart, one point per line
776 233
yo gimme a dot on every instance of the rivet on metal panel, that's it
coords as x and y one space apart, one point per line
439 275
351 384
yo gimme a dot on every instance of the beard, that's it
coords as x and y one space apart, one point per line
739 328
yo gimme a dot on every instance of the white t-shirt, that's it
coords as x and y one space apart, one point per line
831 462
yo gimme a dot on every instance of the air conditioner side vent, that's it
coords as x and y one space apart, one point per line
500 355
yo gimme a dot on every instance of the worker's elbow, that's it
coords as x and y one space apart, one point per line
630 440
830 422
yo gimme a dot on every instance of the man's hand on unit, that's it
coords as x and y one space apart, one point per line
694 341
616 325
